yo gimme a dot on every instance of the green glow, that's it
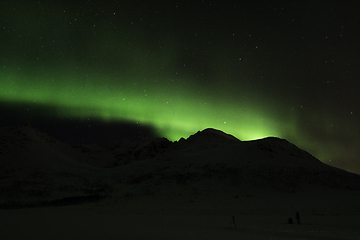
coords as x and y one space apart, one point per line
135 63
174 110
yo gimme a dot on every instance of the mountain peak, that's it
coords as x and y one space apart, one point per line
210 136
211 133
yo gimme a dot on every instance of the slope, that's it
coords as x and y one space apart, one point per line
39 170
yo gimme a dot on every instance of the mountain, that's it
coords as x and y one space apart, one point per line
38 170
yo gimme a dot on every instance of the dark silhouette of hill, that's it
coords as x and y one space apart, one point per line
38 170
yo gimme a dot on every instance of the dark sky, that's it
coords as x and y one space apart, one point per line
99 71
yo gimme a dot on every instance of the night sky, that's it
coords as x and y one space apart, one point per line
101 71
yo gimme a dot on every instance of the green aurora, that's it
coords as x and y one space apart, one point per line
253 70
174 112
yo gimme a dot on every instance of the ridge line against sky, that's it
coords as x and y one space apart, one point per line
253 69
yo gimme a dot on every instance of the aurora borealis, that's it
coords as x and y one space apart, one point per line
253 69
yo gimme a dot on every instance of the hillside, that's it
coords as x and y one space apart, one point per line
38 170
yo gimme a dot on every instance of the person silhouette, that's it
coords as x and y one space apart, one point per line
298 217
233 222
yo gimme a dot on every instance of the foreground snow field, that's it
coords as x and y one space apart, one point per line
85 222
333 214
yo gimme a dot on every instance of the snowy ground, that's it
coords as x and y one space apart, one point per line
171 221
71 223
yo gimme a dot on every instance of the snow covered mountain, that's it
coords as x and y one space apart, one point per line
38 170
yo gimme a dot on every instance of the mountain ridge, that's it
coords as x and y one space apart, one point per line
39 169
